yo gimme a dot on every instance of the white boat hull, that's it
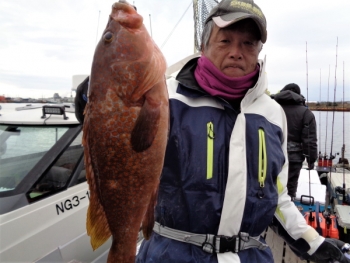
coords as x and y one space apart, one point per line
50 230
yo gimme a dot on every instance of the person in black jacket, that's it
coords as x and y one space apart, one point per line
81 99
302 134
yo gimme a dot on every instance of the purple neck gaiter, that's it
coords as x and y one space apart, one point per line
216 83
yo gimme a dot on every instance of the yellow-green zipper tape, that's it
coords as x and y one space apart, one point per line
210 149
262 158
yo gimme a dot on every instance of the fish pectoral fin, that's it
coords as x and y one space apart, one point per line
148 220
146 126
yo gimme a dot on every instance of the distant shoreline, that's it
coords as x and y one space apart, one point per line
316 109
338 106
329 109
311 105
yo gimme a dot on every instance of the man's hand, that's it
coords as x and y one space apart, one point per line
310 166
329 251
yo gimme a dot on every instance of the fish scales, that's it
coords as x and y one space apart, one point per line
125 133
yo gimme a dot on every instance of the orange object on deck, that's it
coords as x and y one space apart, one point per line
324 223
331 225
314 220
324 162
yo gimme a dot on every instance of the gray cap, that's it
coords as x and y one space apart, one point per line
228 12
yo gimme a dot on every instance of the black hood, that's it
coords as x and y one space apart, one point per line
288 97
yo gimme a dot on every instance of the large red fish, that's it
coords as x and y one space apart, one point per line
125 133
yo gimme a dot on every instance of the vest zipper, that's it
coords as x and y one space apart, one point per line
210 150
262 162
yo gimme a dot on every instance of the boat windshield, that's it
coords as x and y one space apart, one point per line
21 147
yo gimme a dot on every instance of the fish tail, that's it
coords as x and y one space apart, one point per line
97 226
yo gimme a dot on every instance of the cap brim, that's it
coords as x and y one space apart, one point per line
229 19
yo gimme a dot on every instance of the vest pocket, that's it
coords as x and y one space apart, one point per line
210 150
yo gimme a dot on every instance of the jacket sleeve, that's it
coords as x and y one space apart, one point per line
309 137
288 222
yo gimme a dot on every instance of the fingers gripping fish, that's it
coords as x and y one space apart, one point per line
125 133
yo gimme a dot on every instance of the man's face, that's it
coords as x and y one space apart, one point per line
234 51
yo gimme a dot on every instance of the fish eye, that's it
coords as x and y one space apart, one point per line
108 37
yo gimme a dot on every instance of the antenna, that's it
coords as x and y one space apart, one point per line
172 31
150 25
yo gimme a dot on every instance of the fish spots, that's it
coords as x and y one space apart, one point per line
121 179
137 67
114 184
120 91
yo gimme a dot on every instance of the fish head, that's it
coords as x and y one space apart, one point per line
126 53
125 36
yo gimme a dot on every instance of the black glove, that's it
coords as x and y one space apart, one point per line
310 166
329 251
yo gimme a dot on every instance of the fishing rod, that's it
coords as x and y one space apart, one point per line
319 115
331 156
320 157
308 130
325 142
323 163
343 148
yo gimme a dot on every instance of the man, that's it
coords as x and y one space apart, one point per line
302 133
225 170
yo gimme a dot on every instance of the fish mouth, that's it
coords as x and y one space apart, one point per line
126 2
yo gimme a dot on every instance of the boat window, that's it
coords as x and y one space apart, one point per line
58 176
21 147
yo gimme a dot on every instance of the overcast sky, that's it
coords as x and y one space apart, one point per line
44 43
